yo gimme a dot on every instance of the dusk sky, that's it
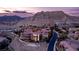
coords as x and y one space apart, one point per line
69 10
21 5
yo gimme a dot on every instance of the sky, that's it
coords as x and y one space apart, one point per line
22 6
69 10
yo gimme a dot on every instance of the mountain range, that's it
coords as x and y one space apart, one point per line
49 18
39 18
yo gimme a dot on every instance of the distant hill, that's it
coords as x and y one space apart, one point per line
17 13
13 17
38 19
10 20
55 15
50 15
42 18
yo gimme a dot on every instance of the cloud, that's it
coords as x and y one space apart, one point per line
7 10
19 12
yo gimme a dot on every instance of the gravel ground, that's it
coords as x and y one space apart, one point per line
17 45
